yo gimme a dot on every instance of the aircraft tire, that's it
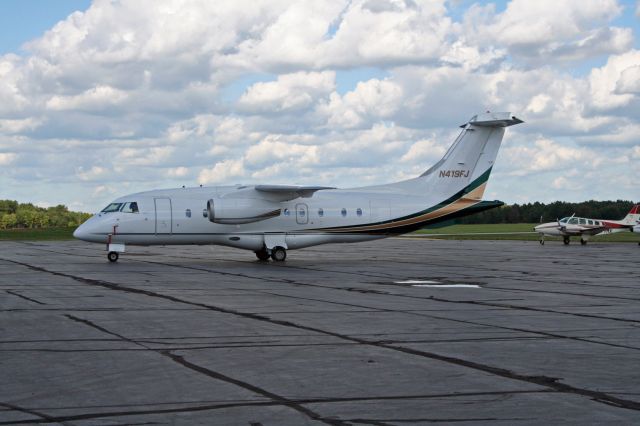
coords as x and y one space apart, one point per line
113 256
262 255
279 254
583 242
541 242
566 241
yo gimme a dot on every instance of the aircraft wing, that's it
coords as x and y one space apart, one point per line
289 192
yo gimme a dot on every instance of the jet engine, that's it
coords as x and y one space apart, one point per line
234 211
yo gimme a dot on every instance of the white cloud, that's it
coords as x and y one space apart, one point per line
289 93
629 81
178 172
423 150
545 155
222 172
370 100
19 125
271 149
95 173
7 158
540 30
96 98
611 85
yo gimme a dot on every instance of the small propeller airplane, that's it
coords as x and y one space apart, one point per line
586 228
270 219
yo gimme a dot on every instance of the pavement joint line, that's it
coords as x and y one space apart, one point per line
178 359
544 381
420 314
223 405
13 293
42 417
438 299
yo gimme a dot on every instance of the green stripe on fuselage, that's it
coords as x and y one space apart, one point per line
483 178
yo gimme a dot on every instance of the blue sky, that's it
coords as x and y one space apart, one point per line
24 20
131 96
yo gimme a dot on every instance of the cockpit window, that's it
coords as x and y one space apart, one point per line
564 220
130 207
113 207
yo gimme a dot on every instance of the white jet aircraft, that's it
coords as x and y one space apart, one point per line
269 219
586 228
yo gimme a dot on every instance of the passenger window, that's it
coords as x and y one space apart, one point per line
344 212
583 222
286 212
590 222
301 213
205 213
188 212
131 207
573 221
113 207
359 212
320 212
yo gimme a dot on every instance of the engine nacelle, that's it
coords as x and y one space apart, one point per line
234 211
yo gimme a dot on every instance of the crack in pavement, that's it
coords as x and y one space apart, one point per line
544 381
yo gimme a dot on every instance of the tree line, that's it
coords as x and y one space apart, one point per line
18 215
541 212
14 215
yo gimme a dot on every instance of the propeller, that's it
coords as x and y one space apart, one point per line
564 227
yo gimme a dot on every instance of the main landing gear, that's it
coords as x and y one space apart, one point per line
279 254
583 242
566 241
113 256
262 254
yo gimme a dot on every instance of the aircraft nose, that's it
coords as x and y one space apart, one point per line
80 233
77 233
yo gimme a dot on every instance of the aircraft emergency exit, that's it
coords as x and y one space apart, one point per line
585 228
271 219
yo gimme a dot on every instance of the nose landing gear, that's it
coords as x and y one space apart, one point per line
279 254
113 256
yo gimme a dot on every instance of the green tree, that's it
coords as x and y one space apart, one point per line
8 221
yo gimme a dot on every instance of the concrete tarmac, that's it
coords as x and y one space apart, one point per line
393 332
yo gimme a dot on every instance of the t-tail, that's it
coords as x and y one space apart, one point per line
464 170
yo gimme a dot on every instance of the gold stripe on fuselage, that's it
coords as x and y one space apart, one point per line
468 200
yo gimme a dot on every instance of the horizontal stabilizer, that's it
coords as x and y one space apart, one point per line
494 119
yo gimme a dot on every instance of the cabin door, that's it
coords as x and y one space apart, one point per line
164 222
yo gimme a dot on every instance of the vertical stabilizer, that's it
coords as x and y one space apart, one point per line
633 216
468 162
